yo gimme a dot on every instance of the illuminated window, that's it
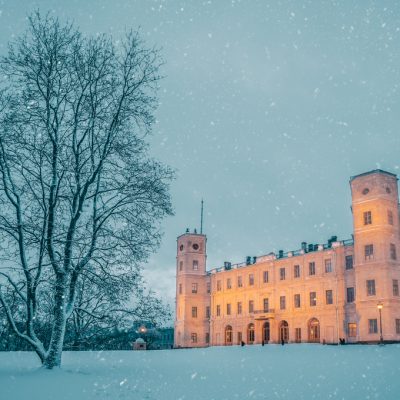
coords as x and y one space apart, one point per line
367 218
265 276
239 307
194 312
296 271
194 287
393 255
328 265
297 303
250 334
282 274
228 309
282 302
251 279
371 287
251 306
349 262
352 329
313 299
372 326
311 268
193 336
329 297
266 305
350 294
369 251
240 281
395 287
390 217
229 283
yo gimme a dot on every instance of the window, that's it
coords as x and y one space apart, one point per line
282 273
239 307
367 218
266 305
180 288
297 335
251 279
208 312
240 282
349 262
193 336
352 329
296 271
282 303
219 286
239 337
250 334
194 312
228 309
372 326
180 265
328 265
350 294
229 283
311 268
208 287
297 303
194 287
218 310
265 276
195 265
371 287
393 255
329 297
395 283
398 326
251 306
390 217
207 337
313 299
369 251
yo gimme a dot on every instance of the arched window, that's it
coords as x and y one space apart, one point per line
250 334
266 332
228 335
284 331
313 331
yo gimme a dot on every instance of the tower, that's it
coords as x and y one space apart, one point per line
376 259
192 327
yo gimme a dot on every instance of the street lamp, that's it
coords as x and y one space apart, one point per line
380 306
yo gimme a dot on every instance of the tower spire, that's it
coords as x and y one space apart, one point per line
201 217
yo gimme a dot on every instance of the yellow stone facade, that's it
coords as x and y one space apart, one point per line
321 293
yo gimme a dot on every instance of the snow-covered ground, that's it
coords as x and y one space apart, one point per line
252 372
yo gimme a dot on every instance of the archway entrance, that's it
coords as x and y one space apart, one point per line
266 332
284 331
313 331
250 334
228 335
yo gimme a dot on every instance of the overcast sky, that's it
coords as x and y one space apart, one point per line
266 110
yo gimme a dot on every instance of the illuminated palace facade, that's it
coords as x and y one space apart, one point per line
320 293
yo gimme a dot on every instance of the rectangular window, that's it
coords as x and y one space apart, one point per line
313 299
240 281
208 312
328 265
329 297
266 304
251 306
180 265
393 255
207 337
194 287
349 262
282 303
352 329
297 303
398 326
194 312
239 307
296 271
372 326
218 310
367 218
195 265
219 286
193 336
228 309
239 337
311 268
395 283
251 279
371 287
208 287
297 335
350 294
390 217
265 276
180 288
229 283
369 251
282 274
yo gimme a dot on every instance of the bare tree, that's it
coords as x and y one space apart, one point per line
78 191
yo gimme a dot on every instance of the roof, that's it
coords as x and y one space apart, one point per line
374 171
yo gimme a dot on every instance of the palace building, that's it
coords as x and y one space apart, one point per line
321 293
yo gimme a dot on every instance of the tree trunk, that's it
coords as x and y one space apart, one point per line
53 357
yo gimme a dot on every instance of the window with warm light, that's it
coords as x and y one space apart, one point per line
352 329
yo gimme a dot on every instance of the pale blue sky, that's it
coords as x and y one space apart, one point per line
267 109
